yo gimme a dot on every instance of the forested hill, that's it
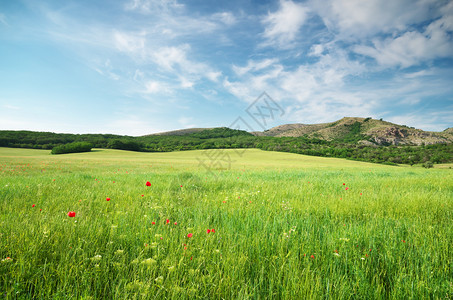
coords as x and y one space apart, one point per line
349 140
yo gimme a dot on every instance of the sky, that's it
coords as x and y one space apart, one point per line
136 67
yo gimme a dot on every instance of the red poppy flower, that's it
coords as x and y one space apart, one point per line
344 183
154 223
71 214
33 205
143 195
208 230
181 185
168 221
108 199
313 257
189 235
347 188
148 183
176 223
212 230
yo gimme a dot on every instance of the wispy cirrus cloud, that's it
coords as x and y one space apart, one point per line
282 26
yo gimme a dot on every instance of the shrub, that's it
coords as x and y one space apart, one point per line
428 164
72 148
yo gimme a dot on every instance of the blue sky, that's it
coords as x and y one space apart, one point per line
136 67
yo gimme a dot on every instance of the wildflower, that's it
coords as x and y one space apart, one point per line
168 221
344 183
312 257
108 199
212 230
176 223
336 254
71 214
143 195
208 230
148 183
33 205
346 188
154 223
189 235
96 258
181 185
159 280
149 262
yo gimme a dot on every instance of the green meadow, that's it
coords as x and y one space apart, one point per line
254 225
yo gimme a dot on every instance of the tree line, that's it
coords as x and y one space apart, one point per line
225 138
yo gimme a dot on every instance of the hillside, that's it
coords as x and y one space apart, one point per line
362 130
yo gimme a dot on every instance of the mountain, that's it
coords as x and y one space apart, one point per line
365 131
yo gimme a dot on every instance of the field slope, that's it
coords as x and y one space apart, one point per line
221 224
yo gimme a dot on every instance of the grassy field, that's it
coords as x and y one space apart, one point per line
257 225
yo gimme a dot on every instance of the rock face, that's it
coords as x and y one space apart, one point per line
395 132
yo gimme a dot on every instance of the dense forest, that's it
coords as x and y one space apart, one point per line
225 138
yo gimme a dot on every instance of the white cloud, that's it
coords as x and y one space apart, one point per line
358 19
128 42
283 25
225 17
411 48
175 60
150 6
154 87
253 66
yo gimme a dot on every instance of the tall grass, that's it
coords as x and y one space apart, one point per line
284 225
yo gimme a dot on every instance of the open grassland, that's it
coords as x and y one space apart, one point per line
280 226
